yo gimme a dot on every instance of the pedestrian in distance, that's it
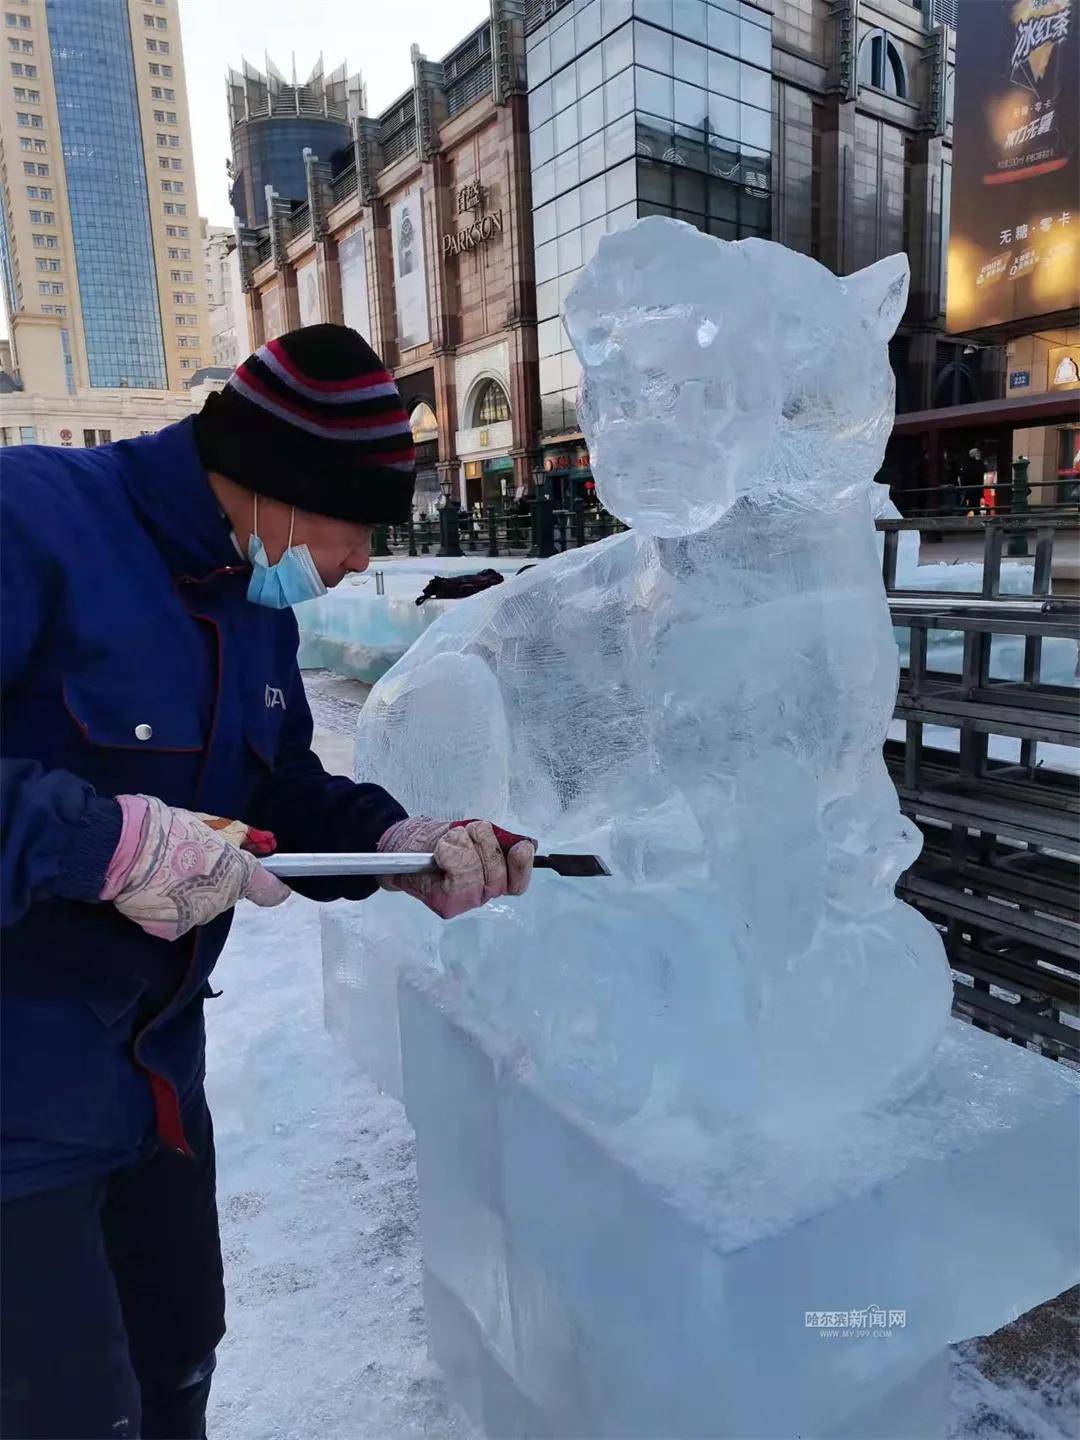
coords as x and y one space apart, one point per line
156 742
971 481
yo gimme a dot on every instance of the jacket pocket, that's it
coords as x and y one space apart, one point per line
123 717
111 998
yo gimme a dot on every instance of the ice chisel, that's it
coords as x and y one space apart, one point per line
298 866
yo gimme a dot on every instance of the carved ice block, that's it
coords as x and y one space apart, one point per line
652 1281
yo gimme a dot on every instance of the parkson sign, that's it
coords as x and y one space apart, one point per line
477 233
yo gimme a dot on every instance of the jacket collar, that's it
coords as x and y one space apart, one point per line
169 489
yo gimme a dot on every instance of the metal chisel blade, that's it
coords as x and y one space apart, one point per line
314 864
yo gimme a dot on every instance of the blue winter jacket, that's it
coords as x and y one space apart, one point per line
124 614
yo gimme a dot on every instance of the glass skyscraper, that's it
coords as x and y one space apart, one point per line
101 141
640 107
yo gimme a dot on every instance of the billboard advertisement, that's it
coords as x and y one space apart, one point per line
1014 246
410 280
352 263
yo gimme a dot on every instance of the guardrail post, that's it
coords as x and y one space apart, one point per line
579 520
449 530
543 536
1018 540
410 534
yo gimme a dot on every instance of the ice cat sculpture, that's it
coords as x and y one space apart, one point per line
701 700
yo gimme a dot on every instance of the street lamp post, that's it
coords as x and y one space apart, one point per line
543 536
449 520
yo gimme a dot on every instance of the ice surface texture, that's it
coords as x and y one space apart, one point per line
701 700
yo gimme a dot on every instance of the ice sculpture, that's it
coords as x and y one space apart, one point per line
702 700
667 1122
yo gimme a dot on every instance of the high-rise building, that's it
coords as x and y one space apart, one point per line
100 246
273 122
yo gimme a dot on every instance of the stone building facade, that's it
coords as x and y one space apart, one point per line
420 236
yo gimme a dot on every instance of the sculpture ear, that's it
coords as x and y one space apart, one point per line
880 291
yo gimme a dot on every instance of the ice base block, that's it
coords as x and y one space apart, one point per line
651 1281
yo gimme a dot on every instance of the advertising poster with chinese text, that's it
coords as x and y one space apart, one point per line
1014 247
410 282
352 263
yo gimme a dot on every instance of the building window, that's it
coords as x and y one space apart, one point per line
162 23
881 65
89 439
163 46
176 163
27 435
152 45
148 21
492 406
155 69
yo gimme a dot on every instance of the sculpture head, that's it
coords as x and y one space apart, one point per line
714 369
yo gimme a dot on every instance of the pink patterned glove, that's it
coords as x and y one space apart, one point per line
171 872
478 861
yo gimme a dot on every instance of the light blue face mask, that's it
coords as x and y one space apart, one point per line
291 581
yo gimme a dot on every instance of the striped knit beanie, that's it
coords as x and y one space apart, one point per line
315 420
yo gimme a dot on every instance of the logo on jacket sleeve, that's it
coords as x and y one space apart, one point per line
274 698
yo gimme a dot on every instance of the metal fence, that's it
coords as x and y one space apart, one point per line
999 874
539 531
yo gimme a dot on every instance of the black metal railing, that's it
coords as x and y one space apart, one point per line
540 530
999 873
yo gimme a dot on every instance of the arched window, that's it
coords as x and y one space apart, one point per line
491 405
881 64
423 424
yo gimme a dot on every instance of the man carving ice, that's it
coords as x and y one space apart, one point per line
150 686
